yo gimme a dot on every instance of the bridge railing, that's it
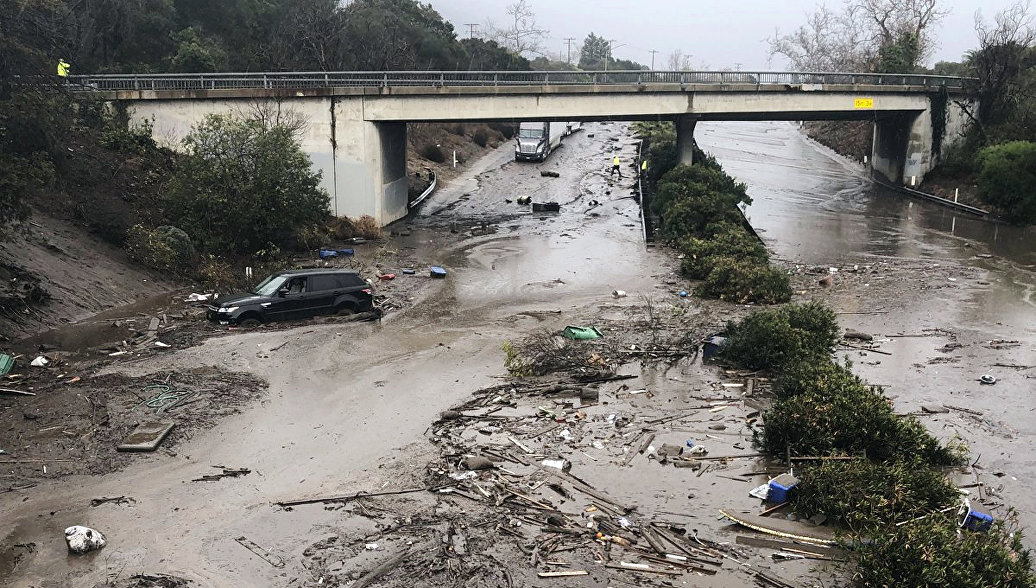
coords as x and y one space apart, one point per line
303 80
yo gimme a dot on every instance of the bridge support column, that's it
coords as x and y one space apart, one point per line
902 149
685 139
369 165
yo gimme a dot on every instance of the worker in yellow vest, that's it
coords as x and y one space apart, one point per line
643 167
63 67
615 167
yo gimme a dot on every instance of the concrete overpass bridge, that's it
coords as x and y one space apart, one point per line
356 133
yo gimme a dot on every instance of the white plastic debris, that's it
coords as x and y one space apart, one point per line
558 464
760 492
82 539
162 345
371 546
565 434
40 361
195 297
619 293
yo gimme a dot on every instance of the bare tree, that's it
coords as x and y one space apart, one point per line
677 61
273 113
829 41
523 35
893 20
999 62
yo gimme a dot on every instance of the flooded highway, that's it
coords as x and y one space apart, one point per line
348 407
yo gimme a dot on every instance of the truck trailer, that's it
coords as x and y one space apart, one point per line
536 140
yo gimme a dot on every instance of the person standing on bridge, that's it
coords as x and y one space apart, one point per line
63 69
615 167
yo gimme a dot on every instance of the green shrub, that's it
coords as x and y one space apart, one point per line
934 552
848 419
244 185
165 248
480 137
776 337
813 375
700 255
505 129
866 496
433 153
1007 179
744 281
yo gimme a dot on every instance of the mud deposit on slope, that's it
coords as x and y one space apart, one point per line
74 427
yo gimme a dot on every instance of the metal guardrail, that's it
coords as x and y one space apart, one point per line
427 192
443 79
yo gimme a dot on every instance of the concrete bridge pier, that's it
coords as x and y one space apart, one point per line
685 138
902 149
368 164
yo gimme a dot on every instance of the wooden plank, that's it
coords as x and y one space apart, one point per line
788 545
779 528
565 574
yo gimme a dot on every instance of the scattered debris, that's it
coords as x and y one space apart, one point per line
226 473
550 174
263 554
582 333
82 539
40 361
114 499
987 379
437 272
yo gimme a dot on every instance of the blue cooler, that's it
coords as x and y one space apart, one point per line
976 521
780 488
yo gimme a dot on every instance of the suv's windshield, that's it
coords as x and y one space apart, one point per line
270 285
530 133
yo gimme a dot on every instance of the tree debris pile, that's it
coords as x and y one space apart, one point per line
73 424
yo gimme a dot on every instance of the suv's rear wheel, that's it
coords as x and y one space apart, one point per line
345 309
249 323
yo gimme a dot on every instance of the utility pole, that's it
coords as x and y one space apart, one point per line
471 29
611 47
569 41
653 58
737 67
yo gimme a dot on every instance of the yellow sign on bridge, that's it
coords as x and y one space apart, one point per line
863 103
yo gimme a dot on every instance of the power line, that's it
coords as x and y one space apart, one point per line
471 29
569 41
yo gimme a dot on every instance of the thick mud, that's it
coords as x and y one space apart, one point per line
357 407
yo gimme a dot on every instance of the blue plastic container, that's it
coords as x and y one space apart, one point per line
977 521
437 272
325 253
781 487
346 252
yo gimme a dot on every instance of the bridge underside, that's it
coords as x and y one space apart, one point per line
356 137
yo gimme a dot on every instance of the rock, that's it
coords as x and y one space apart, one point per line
687 463
82 539
450 415
476 462
851 334
934 409
670 450
818 519
825 281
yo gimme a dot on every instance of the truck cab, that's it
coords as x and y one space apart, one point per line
536 140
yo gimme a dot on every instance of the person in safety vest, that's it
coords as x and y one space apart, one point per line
63 68
643 167
615 167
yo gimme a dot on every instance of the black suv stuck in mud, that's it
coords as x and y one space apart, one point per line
295 294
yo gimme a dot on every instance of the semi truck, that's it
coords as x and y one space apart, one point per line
536 140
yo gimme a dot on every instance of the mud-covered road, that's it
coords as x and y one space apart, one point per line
348 405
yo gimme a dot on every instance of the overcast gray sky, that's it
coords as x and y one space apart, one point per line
718 34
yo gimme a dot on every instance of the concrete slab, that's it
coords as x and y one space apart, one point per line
146 436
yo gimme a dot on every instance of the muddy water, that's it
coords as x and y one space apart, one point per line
979 292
